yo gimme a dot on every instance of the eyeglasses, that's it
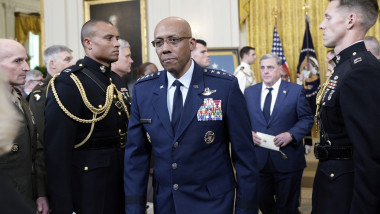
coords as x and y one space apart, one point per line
172 41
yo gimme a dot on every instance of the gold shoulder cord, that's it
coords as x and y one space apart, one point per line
320 95
103 110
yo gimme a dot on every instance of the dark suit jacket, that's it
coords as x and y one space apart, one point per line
191 176
291 113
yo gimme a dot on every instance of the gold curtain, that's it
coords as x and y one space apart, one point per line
25 23
257 15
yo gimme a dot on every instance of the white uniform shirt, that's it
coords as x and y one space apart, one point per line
245 76
185 80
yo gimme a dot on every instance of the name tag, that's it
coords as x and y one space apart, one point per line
145 121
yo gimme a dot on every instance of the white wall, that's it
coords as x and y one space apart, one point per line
63 21
7 14
215 21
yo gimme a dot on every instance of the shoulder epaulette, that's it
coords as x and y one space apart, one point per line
149 77
218 73
72 69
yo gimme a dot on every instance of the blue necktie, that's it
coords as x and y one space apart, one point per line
267 104
177 105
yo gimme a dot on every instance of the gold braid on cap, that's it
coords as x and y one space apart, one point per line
103 110
320 95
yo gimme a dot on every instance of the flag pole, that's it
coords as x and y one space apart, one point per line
306 8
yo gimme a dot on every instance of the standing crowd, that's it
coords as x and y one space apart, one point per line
208 141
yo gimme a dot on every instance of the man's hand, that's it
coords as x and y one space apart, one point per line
42 205
256 138
283 139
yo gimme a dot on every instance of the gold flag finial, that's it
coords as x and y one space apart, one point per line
306 8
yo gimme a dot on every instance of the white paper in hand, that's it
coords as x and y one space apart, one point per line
267 141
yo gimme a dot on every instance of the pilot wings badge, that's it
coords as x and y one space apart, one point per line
208 92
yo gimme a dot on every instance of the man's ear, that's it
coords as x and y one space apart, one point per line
52 64
352 19
87 43
192 43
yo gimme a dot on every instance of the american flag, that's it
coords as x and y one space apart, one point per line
277 49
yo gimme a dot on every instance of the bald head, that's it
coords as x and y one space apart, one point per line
174 43
182 24
13 61
6 47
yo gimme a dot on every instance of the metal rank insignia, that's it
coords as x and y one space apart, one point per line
103 68
208 92
209 137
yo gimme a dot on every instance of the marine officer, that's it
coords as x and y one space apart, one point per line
85 128
347 176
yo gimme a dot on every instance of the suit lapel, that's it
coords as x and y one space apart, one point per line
257 94
193 100
281 95
159 102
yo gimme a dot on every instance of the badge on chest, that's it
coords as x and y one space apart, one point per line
210 110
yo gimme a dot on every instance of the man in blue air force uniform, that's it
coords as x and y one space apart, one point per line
193 167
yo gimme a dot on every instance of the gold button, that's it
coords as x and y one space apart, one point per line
323 103
110 79
114 96
14 147
119 131
119 113
85 168
100 106
354 53
332 175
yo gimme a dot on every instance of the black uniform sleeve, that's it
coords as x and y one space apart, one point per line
360 101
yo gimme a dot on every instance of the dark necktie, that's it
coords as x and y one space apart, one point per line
267 104
177 105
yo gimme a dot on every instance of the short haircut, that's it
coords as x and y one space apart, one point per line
123 44
32 75
270 56
203 42
373 44
367 10
87 28
245 50
52 51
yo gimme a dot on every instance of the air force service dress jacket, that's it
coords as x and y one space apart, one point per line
192 166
